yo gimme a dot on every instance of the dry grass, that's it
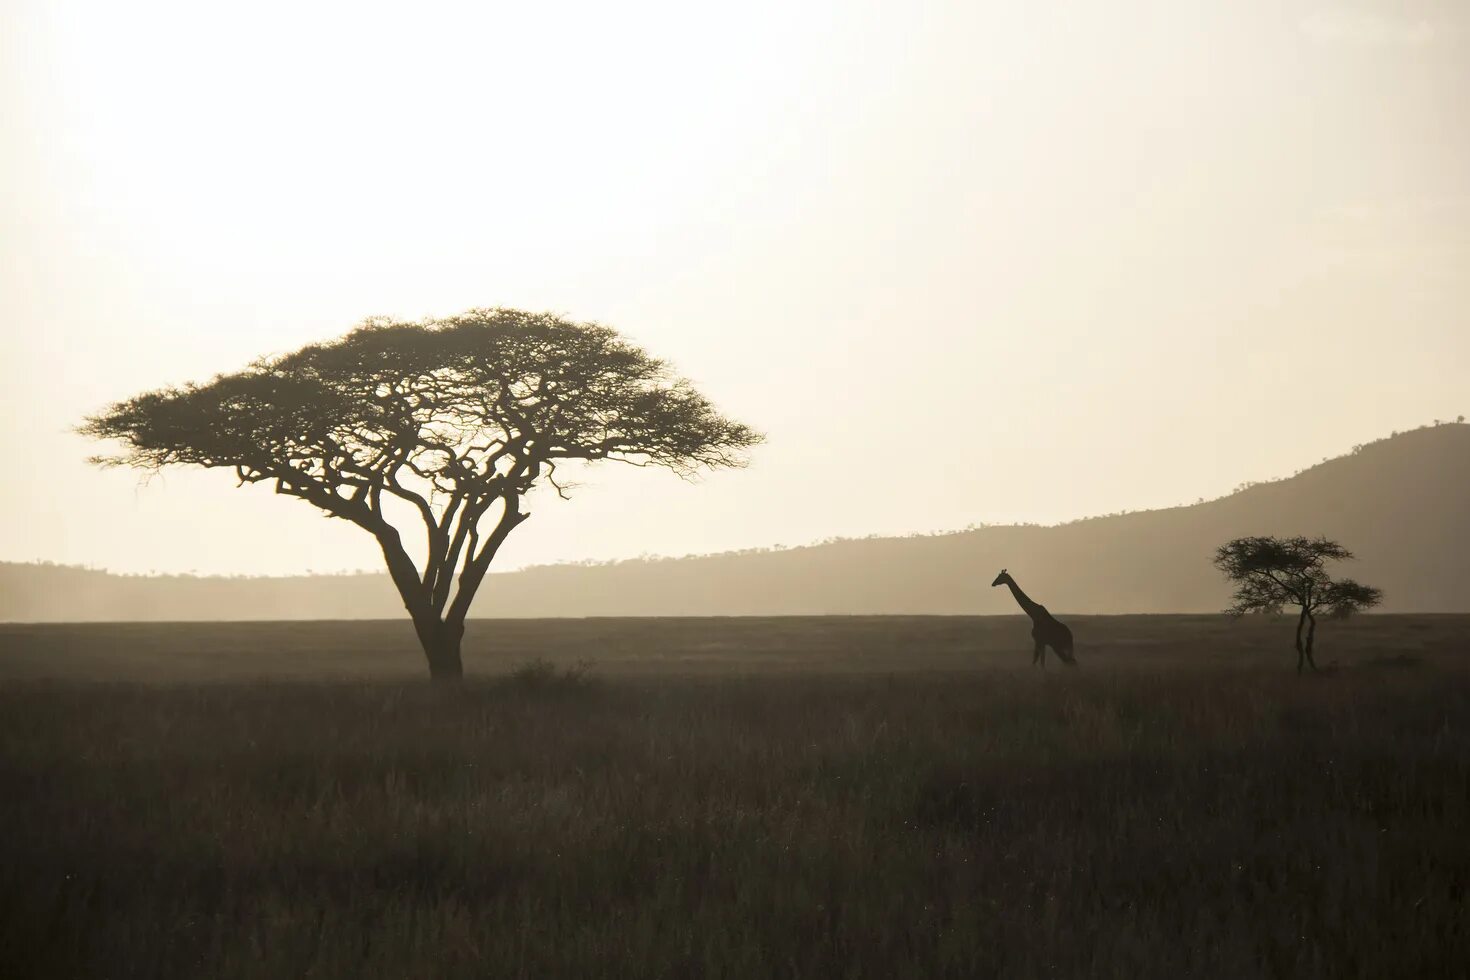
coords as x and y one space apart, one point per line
863 798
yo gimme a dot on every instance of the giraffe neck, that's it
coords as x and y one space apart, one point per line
1024 601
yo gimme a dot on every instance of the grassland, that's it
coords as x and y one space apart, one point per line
735 798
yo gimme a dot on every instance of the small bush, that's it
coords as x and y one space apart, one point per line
540 674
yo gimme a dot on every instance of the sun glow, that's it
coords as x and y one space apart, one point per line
343 137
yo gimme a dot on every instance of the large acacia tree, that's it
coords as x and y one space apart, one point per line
1271 573
447 424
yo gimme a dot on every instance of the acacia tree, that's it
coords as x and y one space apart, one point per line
451 421
1271 573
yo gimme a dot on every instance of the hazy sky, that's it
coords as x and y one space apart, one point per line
963 262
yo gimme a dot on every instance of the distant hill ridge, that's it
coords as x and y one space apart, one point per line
1401 503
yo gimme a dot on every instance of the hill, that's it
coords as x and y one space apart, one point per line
1400 503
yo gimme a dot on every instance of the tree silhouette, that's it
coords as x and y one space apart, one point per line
1271 573
453 421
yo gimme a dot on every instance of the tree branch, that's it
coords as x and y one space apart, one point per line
477 563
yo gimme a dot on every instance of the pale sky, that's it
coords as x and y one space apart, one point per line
962 262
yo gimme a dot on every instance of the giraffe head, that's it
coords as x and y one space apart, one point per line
1001 579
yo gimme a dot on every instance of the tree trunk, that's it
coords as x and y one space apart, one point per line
1311 636
1301 650
441 637
441 643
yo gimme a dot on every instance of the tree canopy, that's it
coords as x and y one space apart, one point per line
457 419
1272 573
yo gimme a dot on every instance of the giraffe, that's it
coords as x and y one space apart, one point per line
1045 629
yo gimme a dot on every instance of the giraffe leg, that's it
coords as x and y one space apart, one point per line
1039 656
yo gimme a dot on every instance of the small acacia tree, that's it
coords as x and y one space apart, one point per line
444 423
1271 573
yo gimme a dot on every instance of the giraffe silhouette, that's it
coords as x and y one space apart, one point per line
1046 630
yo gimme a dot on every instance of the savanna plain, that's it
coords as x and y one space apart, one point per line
804 797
